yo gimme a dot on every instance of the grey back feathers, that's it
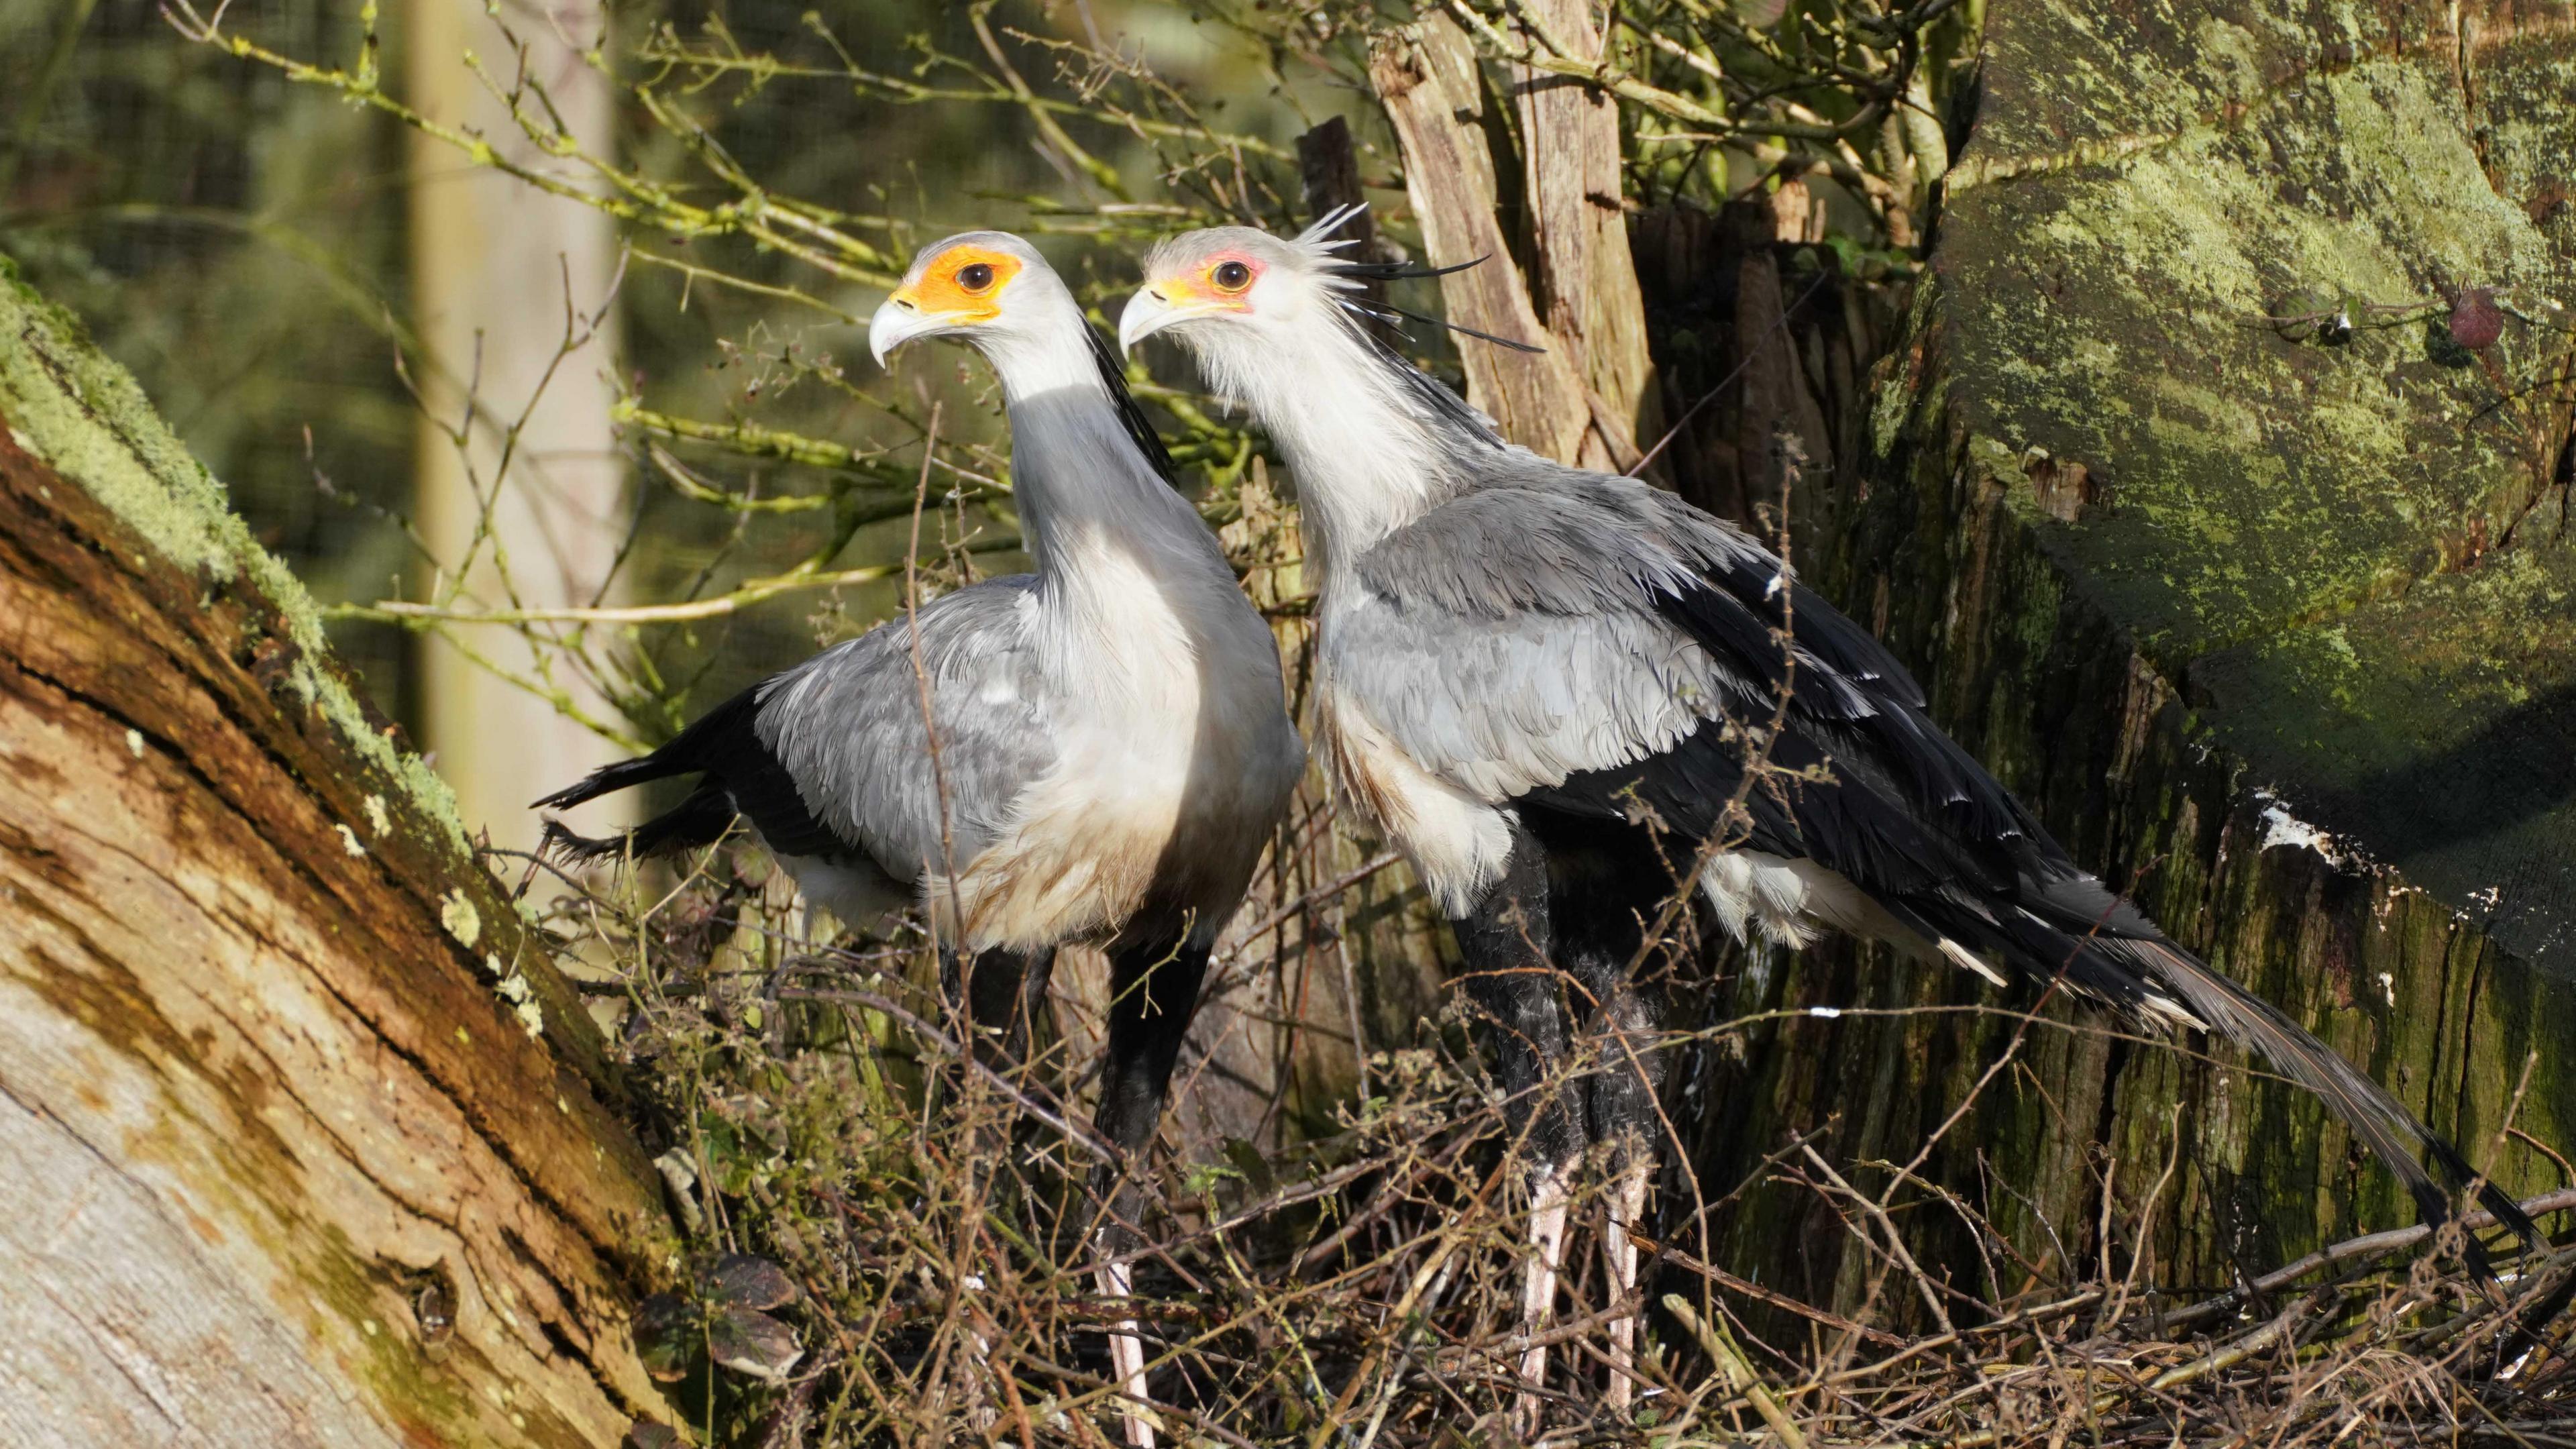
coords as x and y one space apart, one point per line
847 725
1520 633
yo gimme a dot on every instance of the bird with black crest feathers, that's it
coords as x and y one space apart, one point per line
1112 749
1547 686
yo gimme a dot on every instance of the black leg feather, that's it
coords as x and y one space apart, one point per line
1004 994
700 820
1153 993
1507 945
1606 883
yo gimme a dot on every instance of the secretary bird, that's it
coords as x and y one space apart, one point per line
1113 748
1544 684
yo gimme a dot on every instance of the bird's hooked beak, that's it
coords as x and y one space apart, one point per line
1155 306
898 320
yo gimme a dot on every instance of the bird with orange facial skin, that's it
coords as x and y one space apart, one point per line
1103 754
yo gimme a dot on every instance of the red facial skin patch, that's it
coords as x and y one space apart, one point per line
1200 290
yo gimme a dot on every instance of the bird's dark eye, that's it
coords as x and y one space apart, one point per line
1231 276
975 277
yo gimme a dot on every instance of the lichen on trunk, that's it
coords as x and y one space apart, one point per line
2275 629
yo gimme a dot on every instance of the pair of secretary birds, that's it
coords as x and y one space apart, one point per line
1543 684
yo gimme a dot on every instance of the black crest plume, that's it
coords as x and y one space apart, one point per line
1355 273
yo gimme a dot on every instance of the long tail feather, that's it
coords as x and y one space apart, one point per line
2381 1121
686 753
609 779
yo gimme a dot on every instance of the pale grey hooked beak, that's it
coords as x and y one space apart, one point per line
1147 313
897 322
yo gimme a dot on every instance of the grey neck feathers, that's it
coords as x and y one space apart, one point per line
1088 496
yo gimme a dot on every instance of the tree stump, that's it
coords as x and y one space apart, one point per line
306 1141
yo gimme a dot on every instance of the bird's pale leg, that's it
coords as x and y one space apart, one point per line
1504 942
981 1412
992 1000
1549 1194
1623 1111
1127 1357
1627 1207
1153 991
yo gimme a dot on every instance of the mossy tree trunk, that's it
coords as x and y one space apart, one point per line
305 1141
2278 634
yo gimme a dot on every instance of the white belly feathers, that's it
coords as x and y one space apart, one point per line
1181 744
1080 854
1456 842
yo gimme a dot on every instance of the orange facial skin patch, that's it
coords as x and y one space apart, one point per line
942 289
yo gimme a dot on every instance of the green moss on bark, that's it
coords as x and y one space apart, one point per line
68 404
2352 557
2152 556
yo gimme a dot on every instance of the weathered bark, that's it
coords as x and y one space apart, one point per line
2195 590
1590 396
1738 282
1580 271
1427 78
305 1141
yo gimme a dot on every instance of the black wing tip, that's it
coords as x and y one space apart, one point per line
570 795
2362 1100
703 819
2498 1203
2437 1200
609 779
2510 1216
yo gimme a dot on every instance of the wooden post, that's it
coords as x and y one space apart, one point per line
1590 396
1580 271
503 275
1426 77
1329 168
